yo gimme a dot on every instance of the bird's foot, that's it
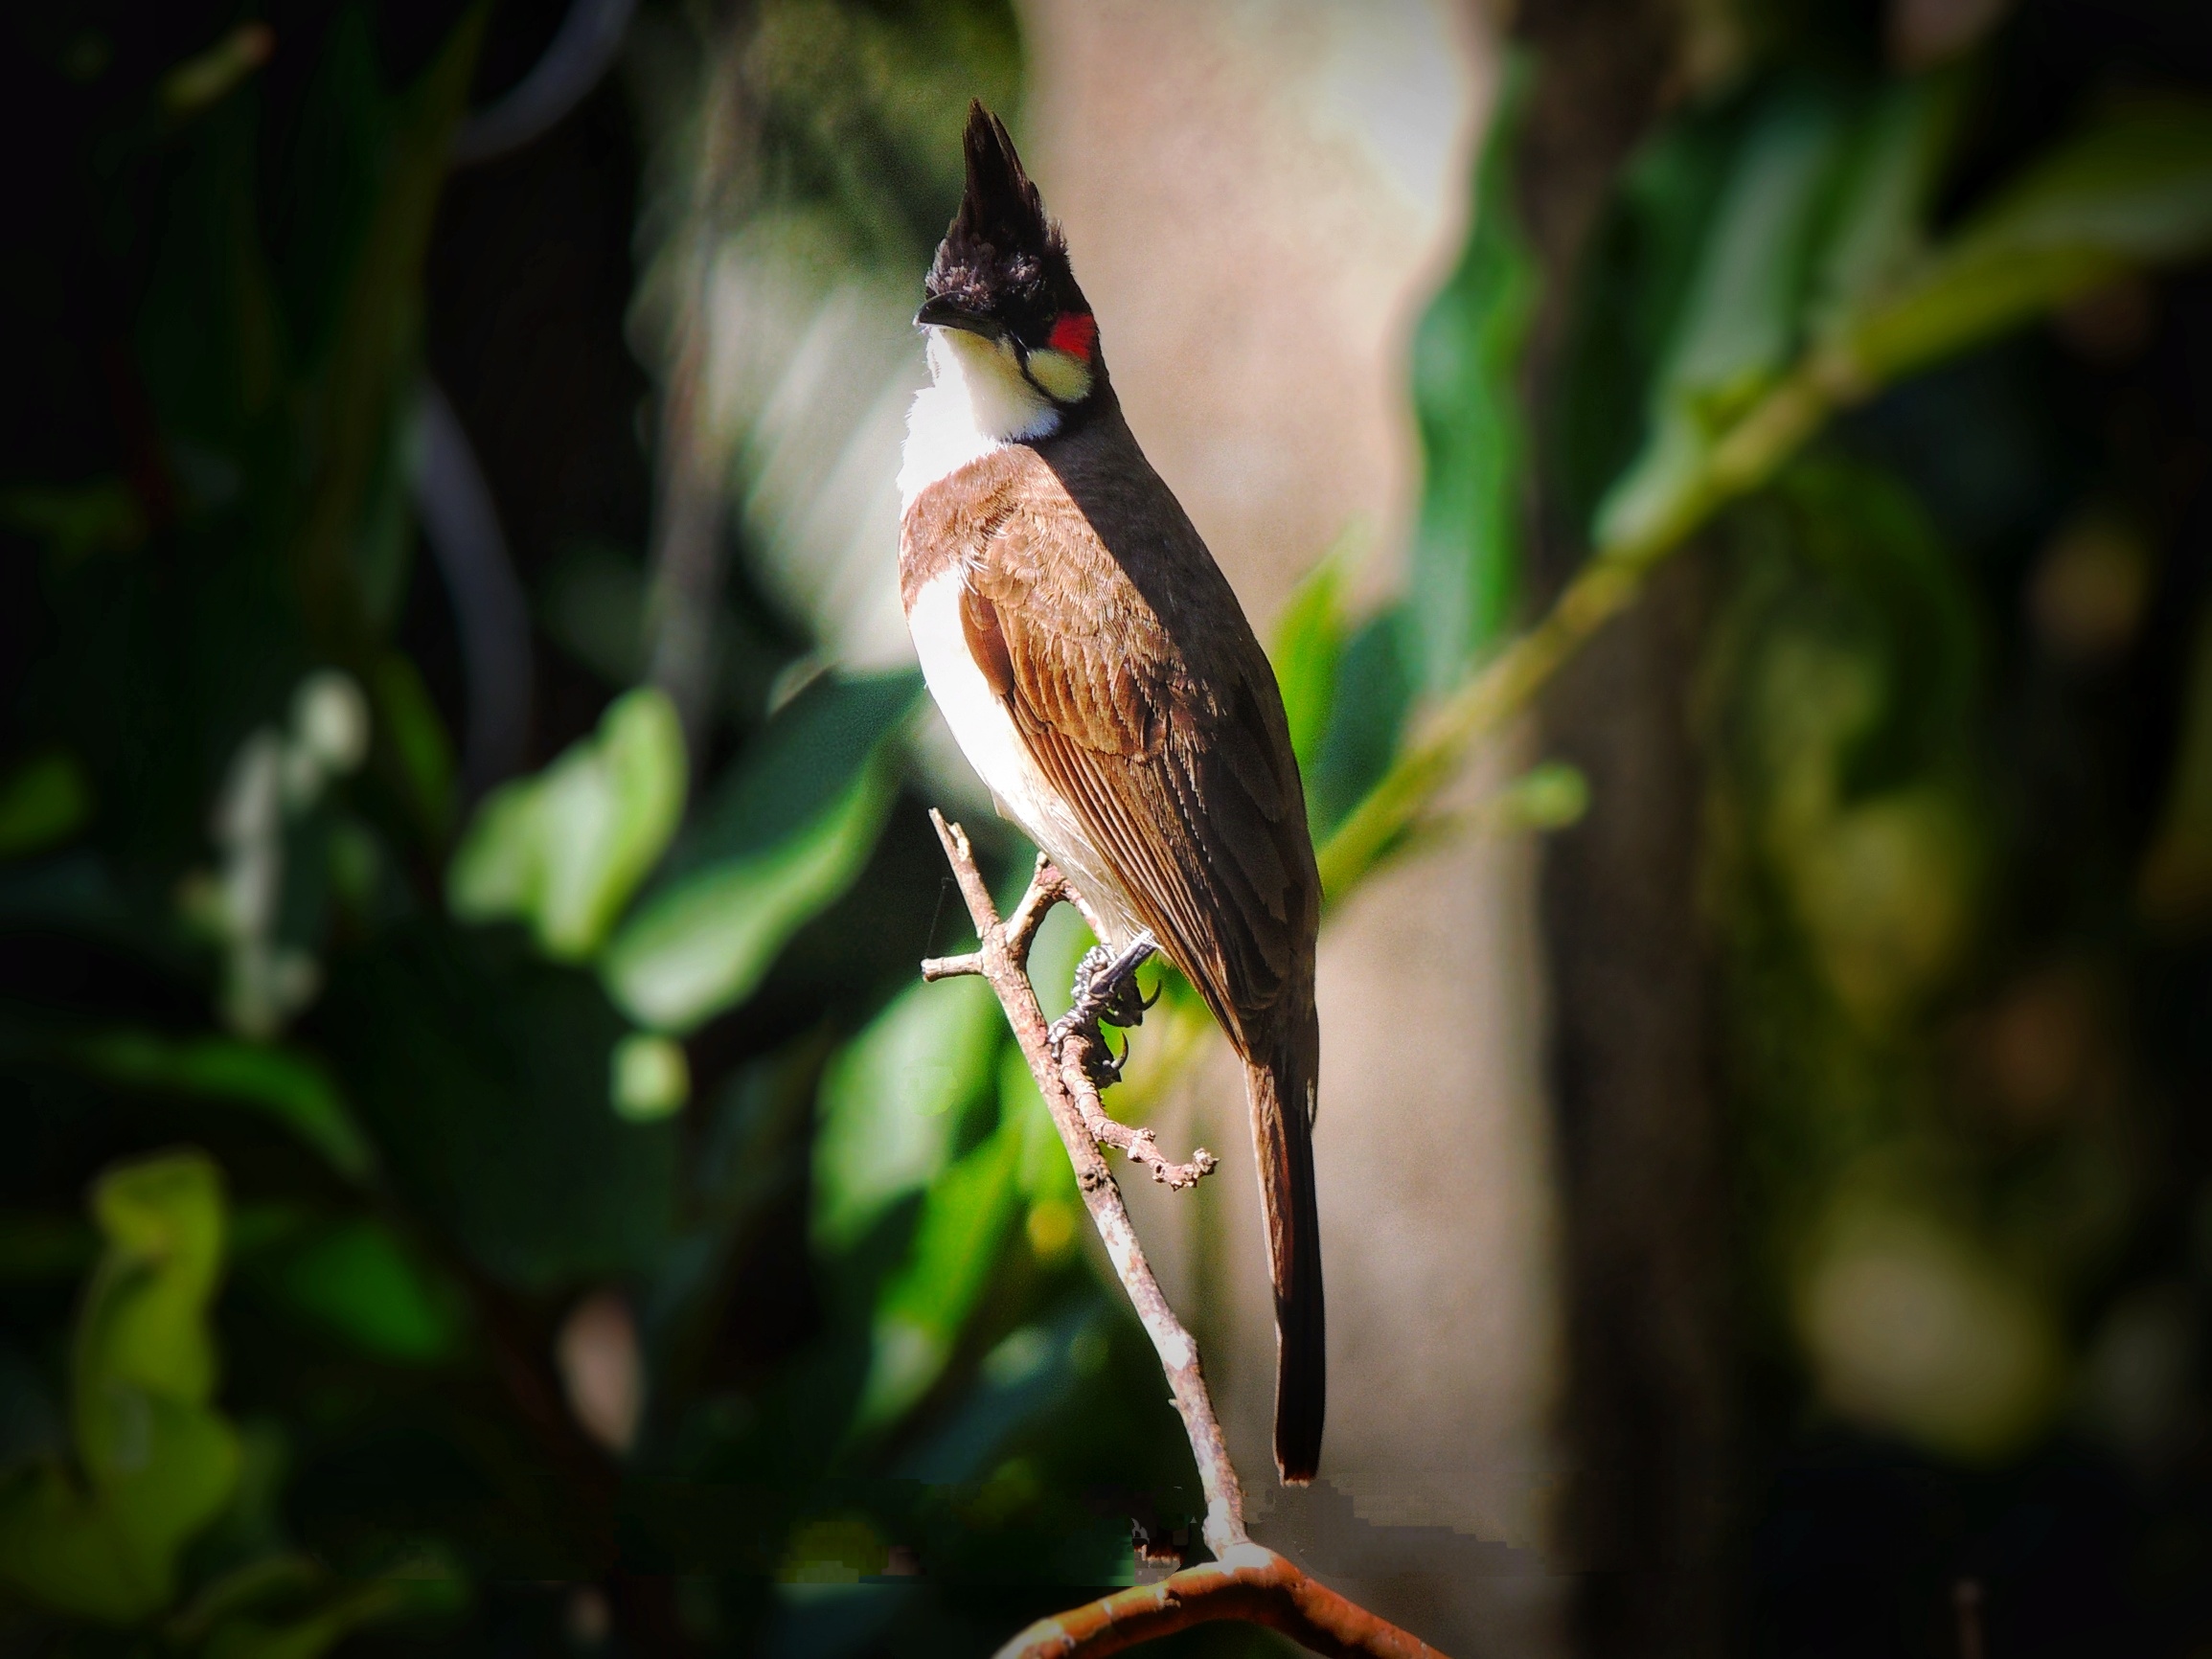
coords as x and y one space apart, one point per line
1106 990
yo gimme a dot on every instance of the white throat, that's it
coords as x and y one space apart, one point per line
978 401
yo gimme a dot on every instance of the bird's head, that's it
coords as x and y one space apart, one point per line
1001 297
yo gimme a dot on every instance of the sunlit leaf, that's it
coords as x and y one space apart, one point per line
704 944
285 1084
650 1077
153 1462
893 1099
785 834
1309 644
922 1309
1466 356
565 851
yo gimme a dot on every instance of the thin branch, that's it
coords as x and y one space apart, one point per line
1250 1584
1246 1581
1009 978
1140 1145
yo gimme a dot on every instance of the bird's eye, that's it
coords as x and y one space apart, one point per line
1074 333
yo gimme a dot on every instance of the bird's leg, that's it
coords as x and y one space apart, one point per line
1105 989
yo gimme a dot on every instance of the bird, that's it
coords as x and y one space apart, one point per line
1097 672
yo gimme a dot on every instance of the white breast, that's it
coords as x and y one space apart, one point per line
986 734
976 401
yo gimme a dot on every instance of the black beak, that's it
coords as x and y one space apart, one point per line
943 312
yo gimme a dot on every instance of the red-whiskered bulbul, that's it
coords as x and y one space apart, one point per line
1097 670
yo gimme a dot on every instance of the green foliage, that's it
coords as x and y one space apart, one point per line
784 835
2134 187
893 1102
42 802
1309 651
565 851
151 1460
288 1086
1465 564
356 1280
1740 317
2174 884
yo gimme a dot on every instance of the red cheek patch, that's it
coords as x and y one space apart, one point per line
1074 333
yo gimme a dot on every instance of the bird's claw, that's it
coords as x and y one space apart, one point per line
1106 989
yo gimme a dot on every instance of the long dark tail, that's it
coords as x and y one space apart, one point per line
1280 1088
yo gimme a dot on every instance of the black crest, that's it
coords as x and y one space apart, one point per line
1002 258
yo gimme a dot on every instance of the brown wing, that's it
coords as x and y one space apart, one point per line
1135 680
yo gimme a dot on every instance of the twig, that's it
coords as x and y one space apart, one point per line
1140 1145
1250 1584
1244 1581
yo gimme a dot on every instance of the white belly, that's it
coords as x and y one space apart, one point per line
986 735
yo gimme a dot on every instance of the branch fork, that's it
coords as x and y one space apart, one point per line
1246 1580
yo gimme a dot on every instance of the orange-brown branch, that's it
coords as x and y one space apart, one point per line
1250 1584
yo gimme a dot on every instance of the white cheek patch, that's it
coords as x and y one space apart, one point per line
978 401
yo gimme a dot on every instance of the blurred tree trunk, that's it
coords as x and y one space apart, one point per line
1648 1410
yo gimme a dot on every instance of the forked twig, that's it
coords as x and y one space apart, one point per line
1246 1580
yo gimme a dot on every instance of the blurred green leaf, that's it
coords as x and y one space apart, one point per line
1375 690
1859 652
1550 796
2173 887
43 800
154 1463
73 522
343 1610
1895 166
1914 1329
922 1309
291 1607
651 1078
365 378
1466 356
1741 318
283 1082
407 726
1309 645
209 332
785 834
357 1281
2133 187
565 851
893 1101
492 1117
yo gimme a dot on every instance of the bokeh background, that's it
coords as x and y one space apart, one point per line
478 1173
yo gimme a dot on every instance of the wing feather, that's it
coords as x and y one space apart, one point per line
1166 739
